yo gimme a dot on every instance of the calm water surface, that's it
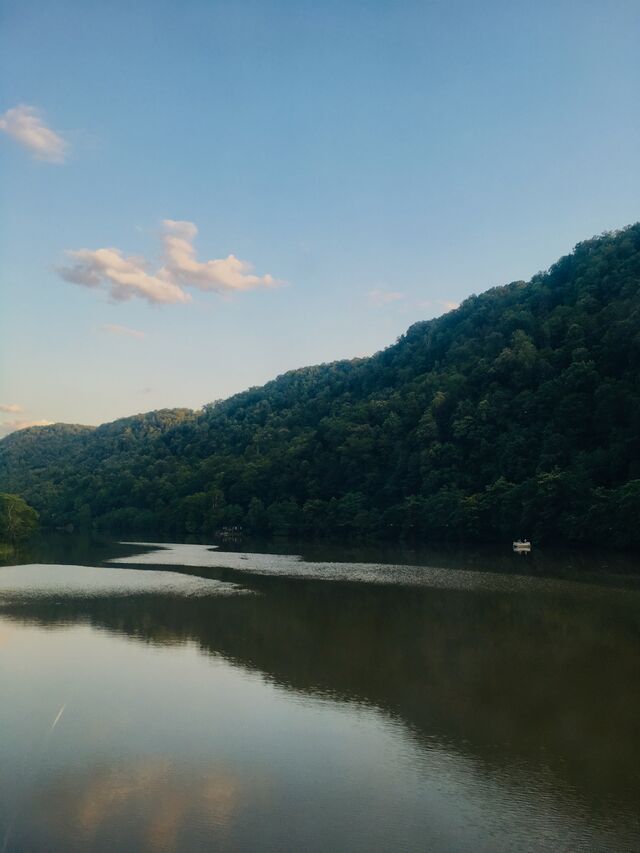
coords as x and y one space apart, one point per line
177 698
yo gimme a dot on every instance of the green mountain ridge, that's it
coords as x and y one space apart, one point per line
516 414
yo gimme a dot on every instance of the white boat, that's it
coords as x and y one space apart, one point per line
522 546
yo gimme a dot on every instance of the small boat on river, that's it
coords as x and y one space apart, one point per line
522 546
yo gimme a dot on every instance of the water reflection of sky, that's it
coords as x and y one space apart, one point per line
288 565
86 581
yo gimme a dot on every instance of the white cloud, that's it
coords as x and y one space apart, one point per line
12 426
25 125
126 277
124 331
12 408
123 277
380 298
224 274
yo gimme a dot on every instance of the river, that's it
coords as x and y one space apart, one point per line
159 697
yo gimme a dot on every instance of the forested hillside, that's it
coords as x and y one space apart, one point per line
516 414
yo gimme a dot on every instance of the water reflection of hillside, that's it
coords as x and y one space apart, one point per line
516 680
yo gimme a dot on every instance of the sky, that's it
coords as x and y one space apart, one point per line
197 196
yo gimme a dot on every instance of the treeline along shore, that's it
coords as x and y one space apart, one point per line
516 414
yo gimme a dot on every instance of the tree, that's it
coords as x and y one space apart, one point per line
18 520
516 414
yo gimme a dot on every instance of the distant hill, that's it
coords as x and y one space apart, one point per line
516 414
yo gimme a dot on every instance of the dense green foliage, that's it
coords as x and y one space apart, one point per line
516 414
18 520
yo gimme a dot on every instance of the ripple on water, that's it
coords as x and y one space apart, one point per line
287 565
36 580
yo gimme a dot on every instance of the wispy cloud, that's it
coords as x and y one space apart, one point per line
124 331
437 304
128 277
25 124
13 426
400 303
12 408
380 298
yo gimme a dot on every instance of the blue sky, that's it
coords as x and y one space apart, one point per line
380 161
